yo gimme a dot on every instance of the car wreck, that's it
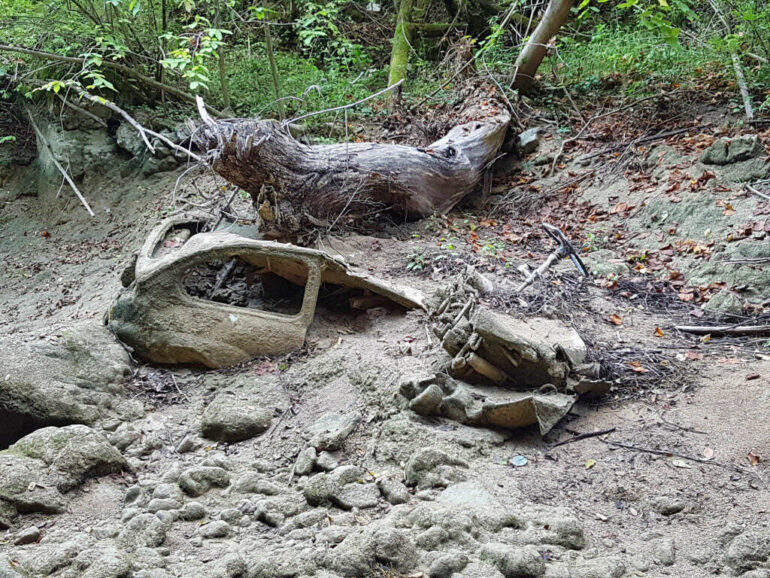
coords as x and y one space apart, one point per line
220 298
164 317
501 371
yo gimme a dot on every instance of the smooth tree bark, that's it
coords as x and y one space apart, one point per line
294 185
535 49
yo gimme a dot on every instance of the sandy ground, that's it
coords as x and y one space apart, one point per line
60 267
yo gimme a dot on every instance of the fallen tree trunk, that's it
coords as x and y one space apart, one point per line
294 185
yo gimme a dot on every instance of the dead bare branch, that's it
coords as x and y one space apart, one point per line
56 163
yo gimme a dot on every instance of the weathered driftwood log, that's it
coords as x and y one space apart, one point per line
293 184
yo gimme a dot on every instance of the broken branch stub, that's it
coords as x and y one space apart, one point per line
294 185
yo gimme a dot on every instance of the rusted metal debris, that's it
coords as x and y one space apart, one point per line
163 323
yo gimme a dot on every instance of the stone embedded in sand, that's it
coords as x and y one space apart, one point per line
331 429
395 548
27 536
480 570
215 529
726 151
198 480
192 511
232 417
393 491
143 530
430 467
254 483
305 461
25 487
667 505
447 565
103 563
514 561
356 495
724 302
36 470
748 551
343 488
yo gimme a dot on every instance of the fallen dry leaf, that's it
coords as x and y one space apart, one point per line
616 319
659 332
753 458
590 463
637 367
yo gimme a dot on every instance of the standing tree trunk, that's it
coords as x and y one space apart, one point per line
402 44
536 47
294 185
222 68
273 70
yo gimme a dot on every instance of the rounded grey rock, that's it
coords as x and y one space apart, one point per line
215 529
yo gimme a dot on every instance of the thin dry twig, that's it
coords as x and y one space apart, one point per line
697 459
64 173
345 106
754 191
583 436
724 329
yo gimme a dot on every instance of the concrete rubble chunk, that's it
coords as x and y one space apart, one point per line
528 141
430 467
344 487
75 452
73 380
508 372
488 406
198 480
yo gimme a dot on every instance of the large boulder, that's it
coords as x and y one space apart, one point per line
73 380
36 471
74 452
81 151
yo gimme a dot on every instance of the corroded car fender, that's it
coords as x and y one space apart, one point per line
162 323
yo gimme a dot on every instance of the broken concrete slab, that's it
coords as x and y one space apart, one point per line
532 352
514 410
486 405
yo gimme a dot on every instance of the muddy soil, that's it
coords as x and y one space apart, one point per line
679 486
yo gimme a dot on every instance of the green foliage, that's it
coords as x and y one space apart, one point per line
659 16
305 86
192 50
640 57
417 260
320 36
